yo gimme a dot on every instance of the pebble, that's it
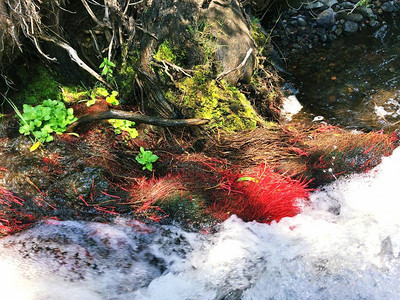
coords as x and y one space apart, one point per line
350 27
314 5
354 17
333 18
301 21
326 18
388 6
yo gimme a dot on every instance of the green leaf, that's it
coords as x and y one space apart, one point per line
247 178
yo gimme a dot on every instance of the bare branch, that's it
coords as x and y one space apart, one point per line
74 56
137 118
91 13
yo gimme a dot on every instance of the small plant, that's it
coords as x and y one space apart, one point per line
42 120
366 3
124 125
106 67
112 100
146 158
95 93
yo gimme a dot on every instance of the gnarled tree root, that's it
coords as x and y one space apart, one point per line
137 118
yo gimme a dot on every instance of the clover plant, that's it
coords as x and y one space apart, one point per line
42 120
146 158
124 125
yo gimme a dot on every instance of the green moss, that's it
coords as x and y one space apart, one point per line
42 85
73 94
262 40
202 97
168 53
186 210
76 94
127 76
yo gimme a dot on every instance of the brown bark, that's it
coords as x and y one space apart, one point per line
137 118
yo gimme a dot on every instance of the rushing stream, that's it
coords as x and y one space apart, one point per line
345 245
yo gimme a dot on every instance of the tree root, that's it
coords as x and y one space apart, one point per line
137 118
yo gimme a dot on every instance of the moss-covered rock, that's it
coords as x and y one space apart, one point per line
185 210
202 97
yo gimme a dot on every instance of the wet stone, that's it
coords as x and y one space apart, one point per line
350 27
314 5
388 6
347 5
366 12
301 21
354 17
326 18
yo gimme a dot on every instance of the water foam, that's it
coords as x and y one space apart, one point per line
345 245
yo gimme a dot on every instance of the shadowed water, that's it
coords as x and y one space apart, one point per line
354 82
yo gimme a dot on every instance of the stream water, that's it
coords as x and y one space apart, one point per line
344 245
354 82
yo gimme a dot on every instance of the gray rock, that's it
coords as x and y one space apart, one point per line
314 5
332 37
329 3
366 12
354 17
347 5
341 15
373 23
350 27
388 6
338 31
326 18
301 21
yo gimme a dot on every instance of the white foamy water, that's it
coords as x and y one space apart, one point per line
345 245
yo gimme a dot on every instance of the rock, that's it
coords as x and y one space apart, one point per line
234 39
338 31
314 5
366 12
347 5
321 32
354 17
336 7
332 37
373 23
301 21
350 27
329 3
288 89
388 6
326 18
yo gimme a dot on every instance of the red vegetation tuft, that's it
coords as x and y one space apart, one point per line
260 194
146 192
11 218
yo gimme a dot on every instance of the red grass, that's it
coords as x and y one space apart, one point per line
260 194
12 219
145 193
